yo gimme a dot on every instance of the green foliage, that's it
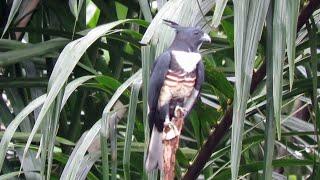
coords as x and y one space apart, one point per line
74 88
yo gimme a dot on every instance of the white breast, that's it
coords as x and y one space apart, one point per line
187 60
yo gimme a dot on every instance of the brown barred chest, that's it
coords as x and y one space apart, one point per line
176 85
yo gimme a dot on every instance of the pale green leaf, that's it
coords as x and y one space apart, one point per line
13 11
249 17
130 126
278 54
11 129
73 165
292 11
218 11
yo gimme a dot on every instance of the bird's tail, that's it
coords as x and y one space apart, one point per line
154 155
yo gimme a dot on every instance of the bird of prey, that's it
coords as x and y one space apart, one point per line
176 78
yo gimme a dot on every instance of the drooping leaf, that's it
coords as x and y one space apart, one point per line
278 53
249 17
291 19
130 126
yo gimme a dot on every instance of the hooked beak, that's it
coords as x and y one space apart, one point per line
205 38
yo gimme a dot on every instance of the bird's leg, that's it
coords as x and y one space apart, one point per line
170 130
180 111
188 103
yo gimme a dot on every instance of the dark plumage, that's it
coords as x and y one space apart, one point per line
175 81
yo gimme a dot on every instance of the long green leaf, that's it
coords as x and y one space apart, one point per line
278 59
11 129
269 135
43 48
249 17
218 11
292 11
69 57
13 11
130 126
146 11
73 164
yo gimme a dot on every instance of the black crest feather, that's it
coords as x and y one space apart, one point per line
173 25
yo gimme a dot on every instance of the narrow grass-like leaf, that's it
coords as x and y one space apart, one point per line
73 164
249 17
11 129
12 44
53 129
5 140
104 132
130 126
18 55
147 56
292 11
69 57
112 122
269 134
218 11
146 11
13 11
278 54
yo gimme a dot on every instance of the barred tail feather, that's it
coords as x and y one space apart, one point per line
155 151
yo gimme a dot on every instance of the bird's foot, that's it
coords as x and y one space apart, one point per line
170 130
180 111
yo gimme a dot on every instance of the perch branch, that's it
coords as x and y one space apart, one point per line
220 130
171 145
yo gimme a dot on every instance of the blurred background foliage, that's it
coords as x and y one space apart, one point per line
74 76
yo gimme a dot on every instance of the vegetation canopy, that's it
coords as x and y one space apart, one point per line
74 81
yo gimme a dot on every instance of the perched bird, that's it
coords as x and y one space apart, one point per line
176 78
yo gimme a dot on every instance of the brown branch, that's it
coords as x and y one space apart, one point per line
170 148
220 130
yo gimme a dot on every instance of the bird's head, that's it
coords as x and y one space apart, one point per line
191 36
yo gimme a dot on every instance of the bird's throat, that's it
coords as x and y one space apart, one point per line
186 60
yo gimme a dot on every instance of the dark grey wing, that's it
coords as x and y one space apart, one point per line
195 94
200 76
160 68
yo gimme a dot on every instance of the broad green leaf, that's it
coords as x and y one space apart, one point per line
249 17
13 11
